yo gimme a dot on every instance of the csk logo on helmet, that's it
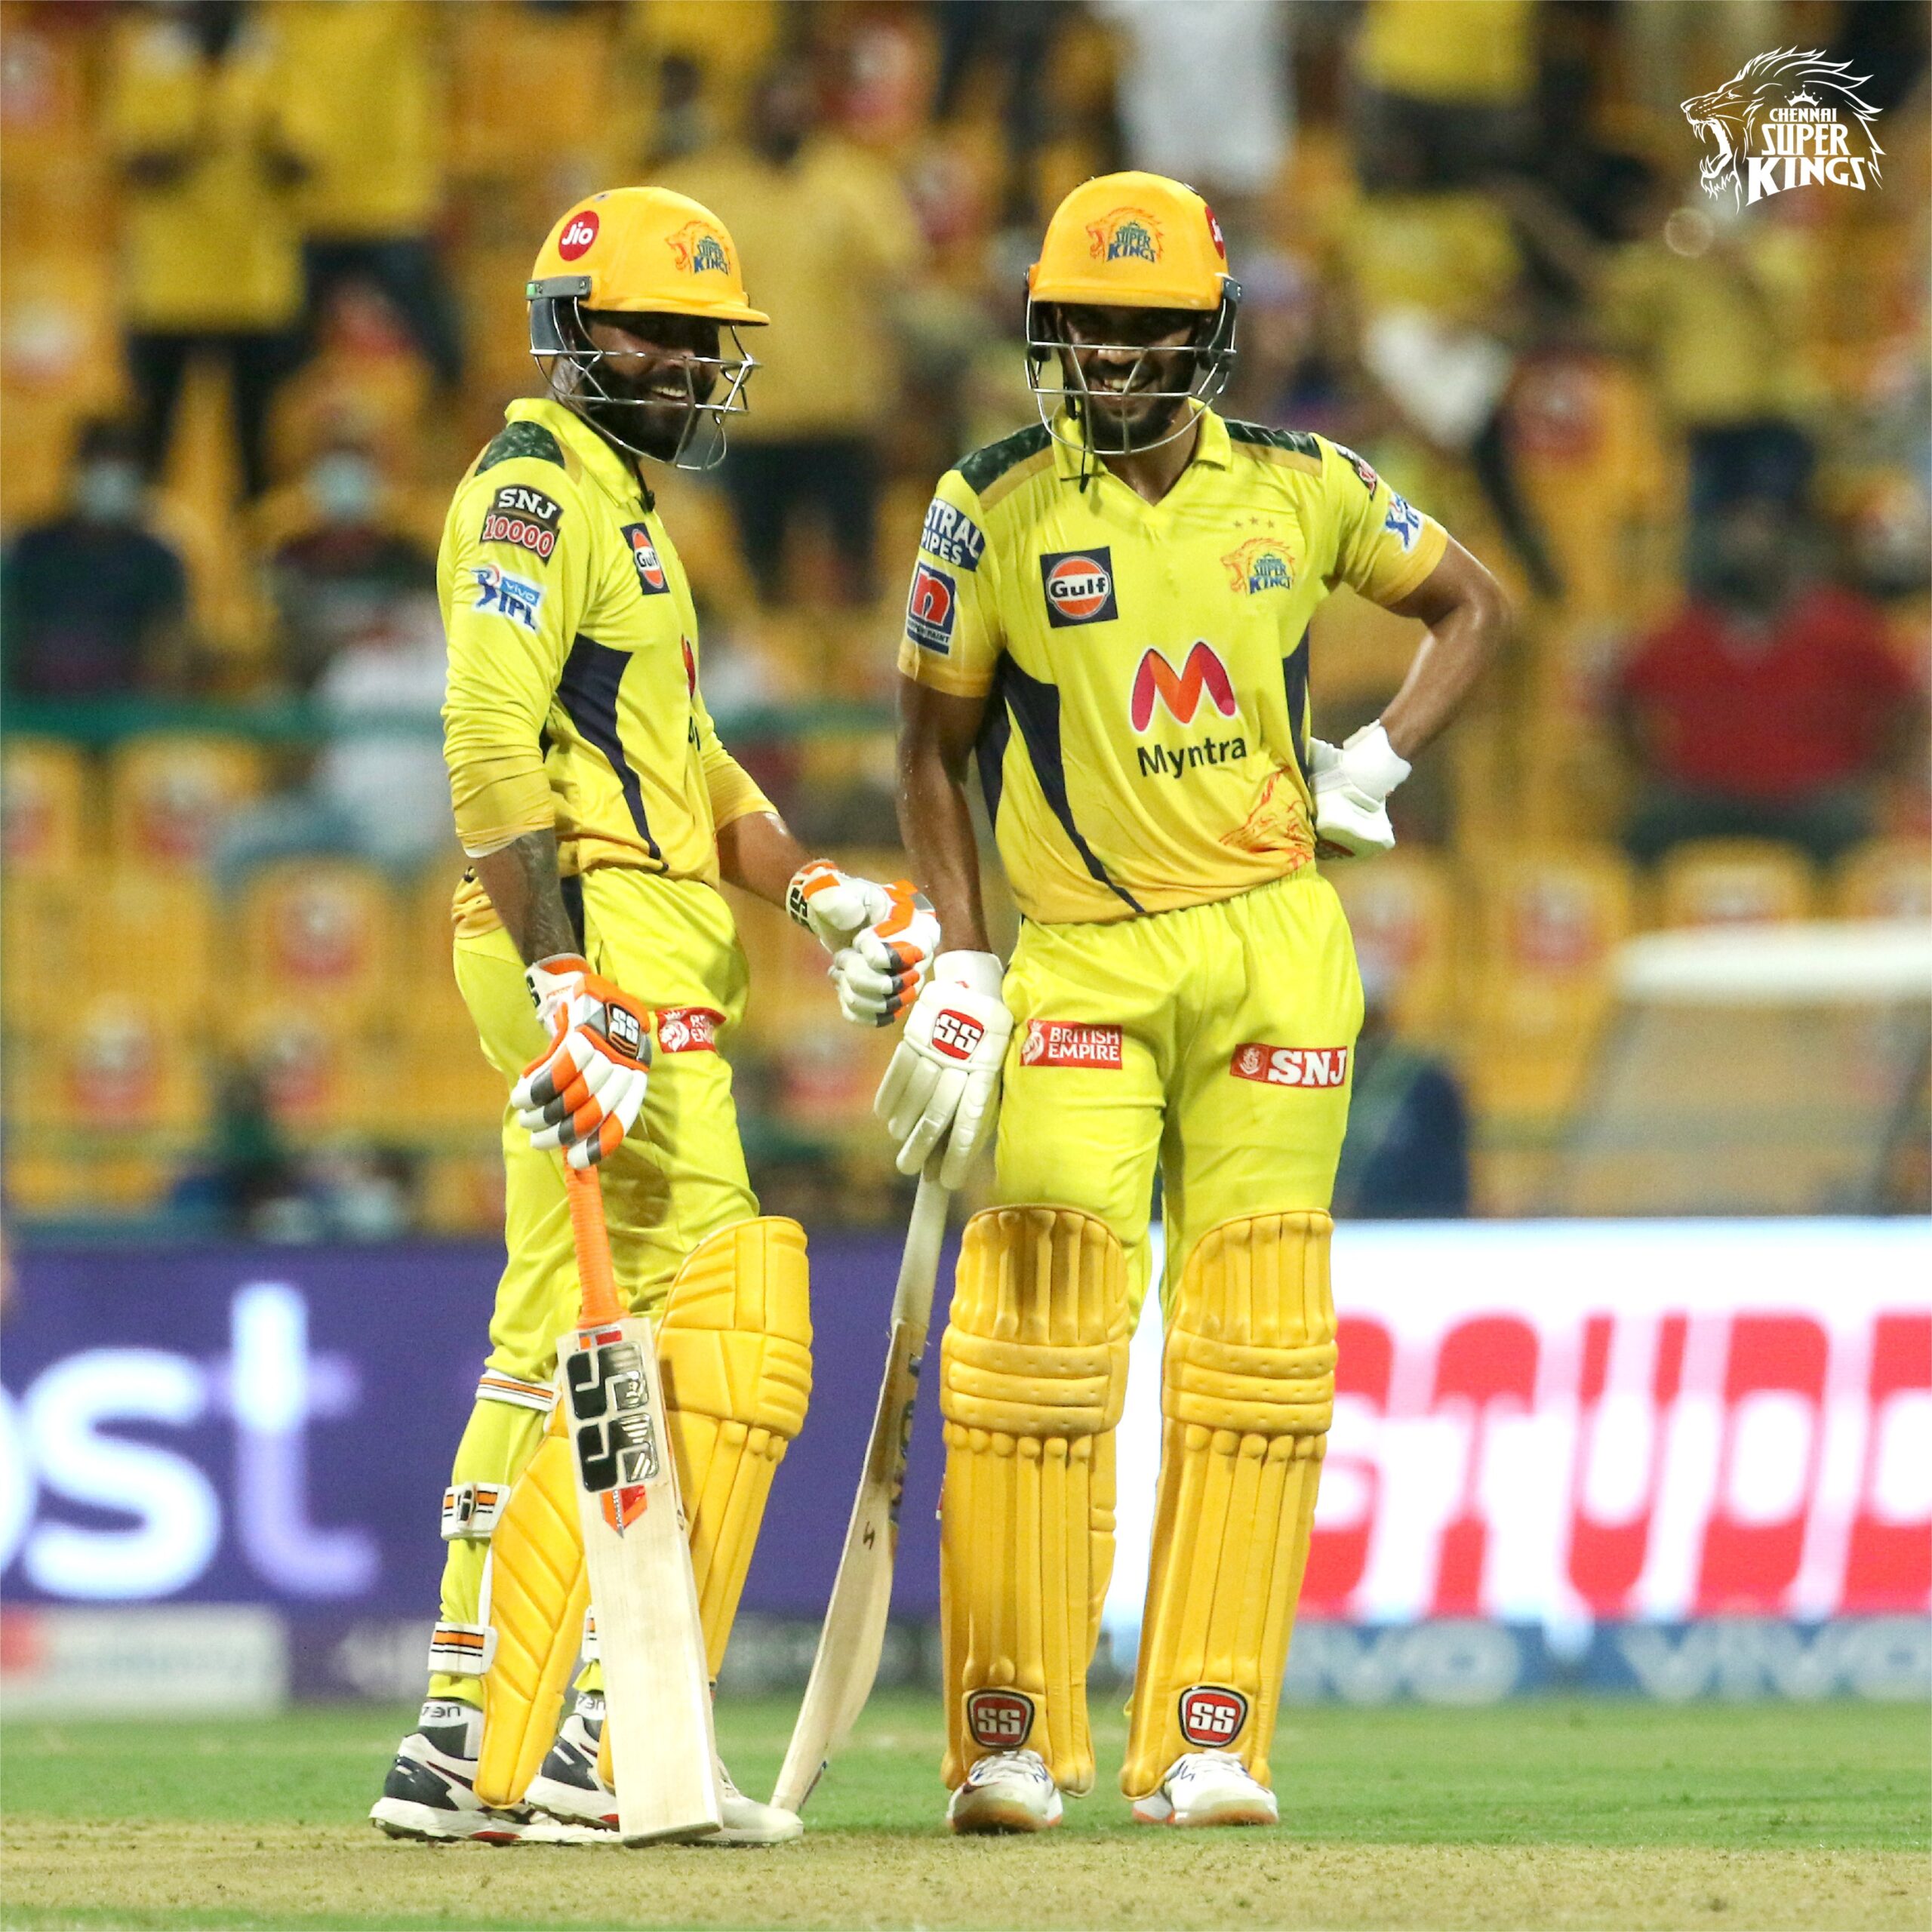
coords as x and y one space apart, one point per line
1124 235
699 249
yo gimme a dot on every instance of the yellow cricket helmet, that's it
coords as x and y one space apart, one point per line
632 251
1134 241
644 250
1130 241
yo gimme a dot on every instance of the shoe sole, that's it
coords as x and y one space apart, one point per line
997 1818
568 1805
422 1823
1234 1813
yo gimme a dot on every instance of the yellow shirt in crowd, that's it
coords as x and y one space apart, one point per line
218 246
572 698
828 244
1473 54
1144 747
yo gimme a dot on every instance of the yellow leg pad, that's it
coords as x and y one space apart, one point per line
736 1347
538 1592
1032 1376
1247 1388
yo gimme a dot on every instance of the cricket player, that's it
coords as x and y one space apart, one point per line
1109 615
600 963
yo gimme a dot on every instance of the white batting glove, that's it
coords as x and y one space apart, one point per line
881 938
1351 784
942 1084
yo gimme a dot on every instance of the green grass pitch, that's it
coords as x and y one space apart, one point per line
1557 1813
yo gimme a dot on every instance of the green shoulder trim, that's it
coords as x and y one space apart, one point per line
1298 441
521 439
985 466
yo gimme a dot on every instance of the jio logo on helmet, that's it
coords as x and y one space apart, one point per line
1079 586
577 237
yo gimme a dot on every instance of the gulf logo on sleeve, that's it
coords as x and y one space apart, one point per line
930 609
1079 586
651 577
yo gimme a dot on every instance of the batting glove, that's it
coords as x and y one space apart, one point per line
1351 784
881 938
584 1095
943 1081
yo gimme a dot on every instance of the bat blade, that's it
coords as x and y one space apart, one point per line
852 1637
657 1691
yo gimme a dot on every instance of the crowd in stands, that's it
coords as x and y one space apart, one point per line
264 301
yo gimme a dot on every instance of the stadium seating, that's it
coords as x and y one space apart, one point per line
170 796
317 940
1732 881
1889 878
1403 911
44 815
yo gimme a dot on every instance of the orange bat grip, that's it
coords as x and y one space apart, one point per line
593 1246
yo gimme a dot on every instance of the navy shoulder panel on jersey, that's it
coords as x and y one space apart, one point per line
985 466
1299 440
520 438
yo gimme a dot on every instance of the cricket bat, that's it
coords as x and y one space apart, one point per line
656 1689
853 1636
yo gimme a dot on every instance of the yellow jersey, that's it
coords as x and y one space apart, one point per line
572 699
1146 744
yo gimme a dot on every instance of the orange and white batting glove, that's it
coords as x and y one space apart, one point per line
584 1095
882 938
941 1091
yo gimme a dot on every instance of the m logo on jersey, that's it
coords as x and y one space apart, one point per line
500 594
1261 564
1181 691
1402 523
699 249
1124 235
651 577
1079 586
930 609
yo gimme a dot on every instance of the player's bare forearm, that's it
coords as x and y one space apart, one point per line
520 878
758 854
936 734
1467 618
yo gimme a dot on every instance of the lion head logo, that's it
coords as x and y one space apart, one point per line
1735 120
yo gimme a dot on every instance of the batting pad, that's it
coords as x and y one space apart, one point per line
735 1348
1032 1378
536 1592
1247 1388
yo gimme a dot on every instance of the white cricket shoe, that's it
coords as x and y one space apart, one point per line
1011 1791
1207 1788
429 1792
569 1789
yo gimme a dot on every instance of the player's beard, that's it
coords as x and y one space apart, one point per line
654 417
1122 421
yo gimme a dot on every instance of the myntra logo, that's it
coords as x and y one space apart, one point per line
1180 691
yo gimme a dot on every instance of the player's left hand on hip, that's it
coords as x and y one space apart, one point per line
1352 782
943 1085
584 1093
881 938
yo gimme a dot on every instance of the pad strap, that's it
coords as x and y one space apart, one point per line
496 1386
471 1509
462 1650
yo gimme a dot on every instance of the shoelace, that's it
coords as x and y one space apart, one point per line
1191 1765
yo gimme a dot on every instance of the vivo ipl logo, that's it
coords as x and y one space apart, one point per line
1181 691
1790 119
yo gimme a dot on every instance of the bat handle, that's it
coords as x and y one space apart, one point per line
593 1238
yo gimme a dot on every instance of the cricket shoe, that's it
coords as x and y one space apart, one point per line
430 1791
568 1788
1207 1788
1011 1791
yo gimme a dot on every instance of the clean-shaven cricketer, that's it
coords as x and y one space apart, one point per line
1109 616
599 961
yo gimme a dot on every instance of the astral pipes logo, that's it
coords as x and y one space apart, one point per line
1788 119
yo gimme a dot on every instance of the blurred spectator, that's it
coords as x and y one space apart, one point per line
1015 38
195 121
366 114
94 603
830 245
1763 709
342 561
1204 94
1452 86
1407 1155
378 790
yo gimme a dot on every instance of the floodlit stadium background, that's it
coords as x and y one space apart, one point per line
1634 1263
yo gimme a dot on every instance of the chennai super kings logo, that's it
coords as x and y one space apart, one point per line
1260 564
1126 234
1786 120
698 249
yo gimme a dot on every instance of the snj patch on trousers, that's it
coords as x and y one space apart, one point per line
1290 1066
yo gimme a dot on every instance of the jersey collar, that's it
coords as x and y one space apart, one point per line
597 459
1213 448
